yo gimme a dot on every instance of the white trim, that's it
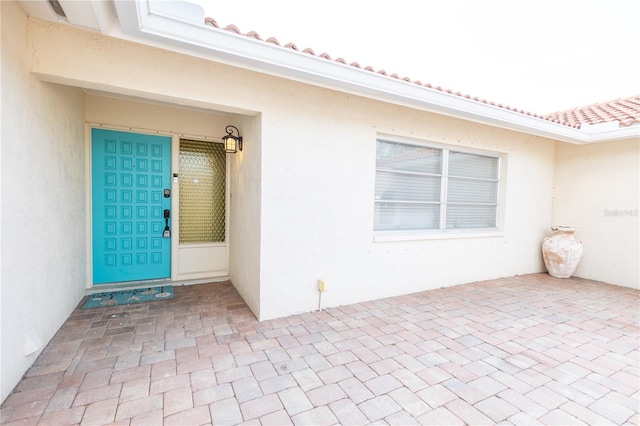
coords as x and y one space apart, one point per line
141 21
600 134
442 232
88 206
147 131
175 205
176 246
391 236
179 27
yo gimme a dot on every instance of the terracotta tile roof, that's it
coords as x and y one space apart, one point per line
630 105
626 111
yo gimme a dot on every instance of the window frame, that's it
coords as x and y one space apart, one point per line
442 231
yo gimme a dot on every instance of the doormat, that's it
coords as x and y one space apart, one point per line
127 297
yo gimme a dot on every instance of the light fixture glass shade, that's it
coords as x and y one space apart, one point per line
230 144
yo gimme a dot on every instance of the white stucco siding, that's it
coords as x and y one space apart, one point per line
127 69
316 180
245 227
43 181
597 192
318 187
141 116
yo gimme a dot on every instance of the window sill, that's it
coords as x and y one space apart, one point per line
389 236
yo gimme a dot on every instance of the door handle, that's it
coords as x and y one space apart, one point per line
167 232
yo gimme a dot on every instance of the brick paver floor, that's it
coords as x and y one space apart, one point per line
526 350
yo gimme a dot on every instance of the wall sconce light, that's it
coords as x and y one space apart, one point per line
232 143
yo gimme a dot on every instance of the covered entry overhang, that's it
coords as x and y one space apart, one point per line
157 193
157 96
191 260
58 83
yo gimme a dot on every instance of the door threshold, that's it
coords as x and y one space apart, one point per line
133 285
129 285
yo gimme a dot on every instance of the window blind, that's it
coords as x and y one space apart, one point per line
427 188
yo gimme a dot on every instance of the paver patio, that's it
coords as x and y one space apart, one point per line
525 350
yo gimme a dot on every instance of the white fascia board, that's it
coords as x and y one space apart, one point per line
80 13
105 14
142 21
41 10
604 135
97 15
179 10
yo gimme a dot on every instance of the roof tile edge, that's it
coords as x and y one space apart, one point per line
558 117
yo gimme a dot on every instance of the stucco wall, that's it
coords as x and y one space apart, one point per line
318 186
597 192
302 189
43 181
245 220
129 113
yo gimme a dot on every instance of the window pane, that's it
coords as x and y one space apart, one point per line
401 216
470 217
472 165
202 192
472 191
402 187
408 158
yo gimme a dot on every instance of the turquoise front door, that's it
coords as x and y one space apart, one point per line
131 182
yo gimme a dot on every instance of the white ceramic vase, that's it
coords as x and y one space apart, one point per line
561 252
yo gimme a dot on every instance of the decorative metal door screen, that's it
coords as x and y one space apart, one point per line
202 178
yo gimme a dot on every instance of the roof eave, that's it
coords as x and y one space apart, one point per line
610 134
182 29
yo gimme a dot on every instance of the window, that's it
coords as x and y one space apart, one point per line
423 188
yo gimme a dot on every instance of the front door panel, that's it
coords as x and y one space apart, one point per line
130 172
